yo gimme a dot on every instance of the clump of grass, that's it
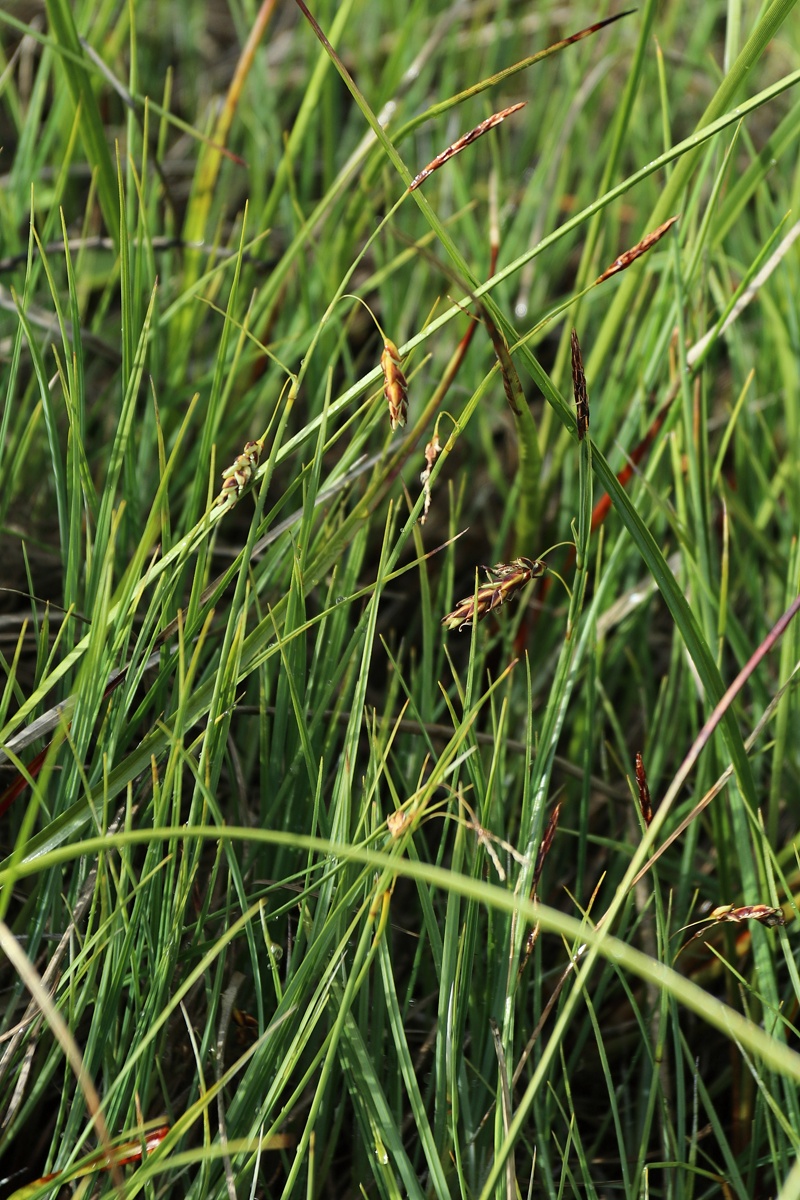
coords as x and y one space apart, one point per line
299 894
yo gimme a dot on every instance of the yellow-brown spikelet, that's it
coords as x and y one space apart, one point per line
236 478
395 388
505 581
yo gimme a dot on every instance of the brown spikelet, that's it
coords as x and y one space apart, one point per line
395 388
246 1027
465 140
544 847
579 388
397 821
511 382
629 256
645 803
505 581
763 913
431 454
236 478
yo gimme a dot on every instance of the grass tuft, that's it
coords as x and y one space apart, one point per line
316 879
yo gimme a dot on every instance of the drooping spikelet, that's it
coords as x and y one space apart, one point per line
236 478
395 388
765 914
505 581
431 454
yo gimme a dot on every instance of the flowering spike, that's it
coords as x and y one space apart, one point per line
763 913
505 581
395 388
629 256
544 847
431 454
236 478
579 388
645 804
461 142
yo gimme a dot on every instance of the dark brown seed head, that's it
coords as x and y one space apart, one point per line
579 388
544 847
644 791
